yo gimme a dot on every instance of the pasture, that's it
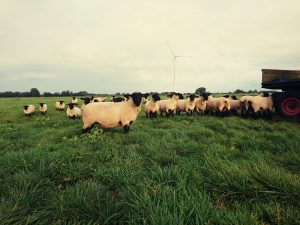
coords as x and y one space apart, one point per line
181 170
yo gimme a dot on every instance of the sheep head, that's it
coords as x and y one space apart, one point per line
136 98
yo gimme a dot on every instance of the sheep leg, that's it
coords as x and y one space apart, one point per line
126 129
147 115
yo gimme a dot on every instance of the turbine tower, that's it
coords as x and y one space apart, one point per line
174 60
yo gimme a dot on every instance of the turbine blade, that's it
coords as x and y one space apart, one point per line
171 49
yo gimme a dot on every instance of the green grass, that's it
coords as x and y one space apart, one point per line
182 170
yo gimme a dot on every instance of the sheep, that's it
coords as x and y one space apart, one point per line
74 100
186 105
218 105
29 110
86 100
111 115
146 98
99 99
60 105
243 102
152 106
200 104
261 103
118 99
73 112
43 108
168 106
234 103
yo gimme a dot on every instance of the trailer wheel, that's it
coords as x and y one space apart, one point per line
288 105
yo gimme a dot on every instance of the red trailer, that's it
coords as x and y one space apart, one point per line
286 102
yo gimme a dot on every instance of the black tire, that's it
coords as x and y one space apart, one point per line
287 104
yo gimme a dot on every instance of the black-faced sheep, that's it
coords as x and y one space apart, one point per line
74 100
186 105
117 99
152 106
168 106
111 115
73 112
218 105
200 104
43 108
60 105
29 110
259 104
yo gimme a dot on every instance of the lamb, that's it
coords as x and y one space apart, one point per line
152 106
74 100
168 106
261 103
200 104
43 108
111 115
186 105
73 112
29 110
60 105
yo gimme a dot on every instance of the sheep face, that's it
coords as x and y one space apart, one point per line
233 97
155 97
146 95
71 105
205 96
25 107
226 96
42 104
192 97
61 102
179 95
73 98
137 98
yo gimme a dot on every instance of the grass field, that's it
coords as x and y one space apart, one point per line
182 170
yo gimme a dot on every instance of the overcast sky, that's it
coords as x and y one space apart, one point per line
108 46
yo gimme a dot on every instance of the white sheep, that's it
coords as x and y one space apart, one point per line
60 105
243 102
74 100
43 108
259 104
186 105
111 115
168 106
99 99
152 106
234 103
218 105
73 112
29 110
200 104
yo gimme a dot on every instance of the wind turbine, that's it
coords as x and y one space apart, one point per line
174 60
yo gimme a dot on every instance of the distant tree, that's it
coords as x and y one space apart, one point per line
34 92
239 91
200 90
47 94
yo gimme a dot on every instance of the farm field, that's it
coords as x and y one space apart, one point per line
182 170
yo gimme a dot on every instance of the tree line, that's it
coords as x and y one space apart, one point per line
34 92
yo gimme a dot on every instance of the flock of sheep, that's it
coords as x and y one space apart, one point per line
124 111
